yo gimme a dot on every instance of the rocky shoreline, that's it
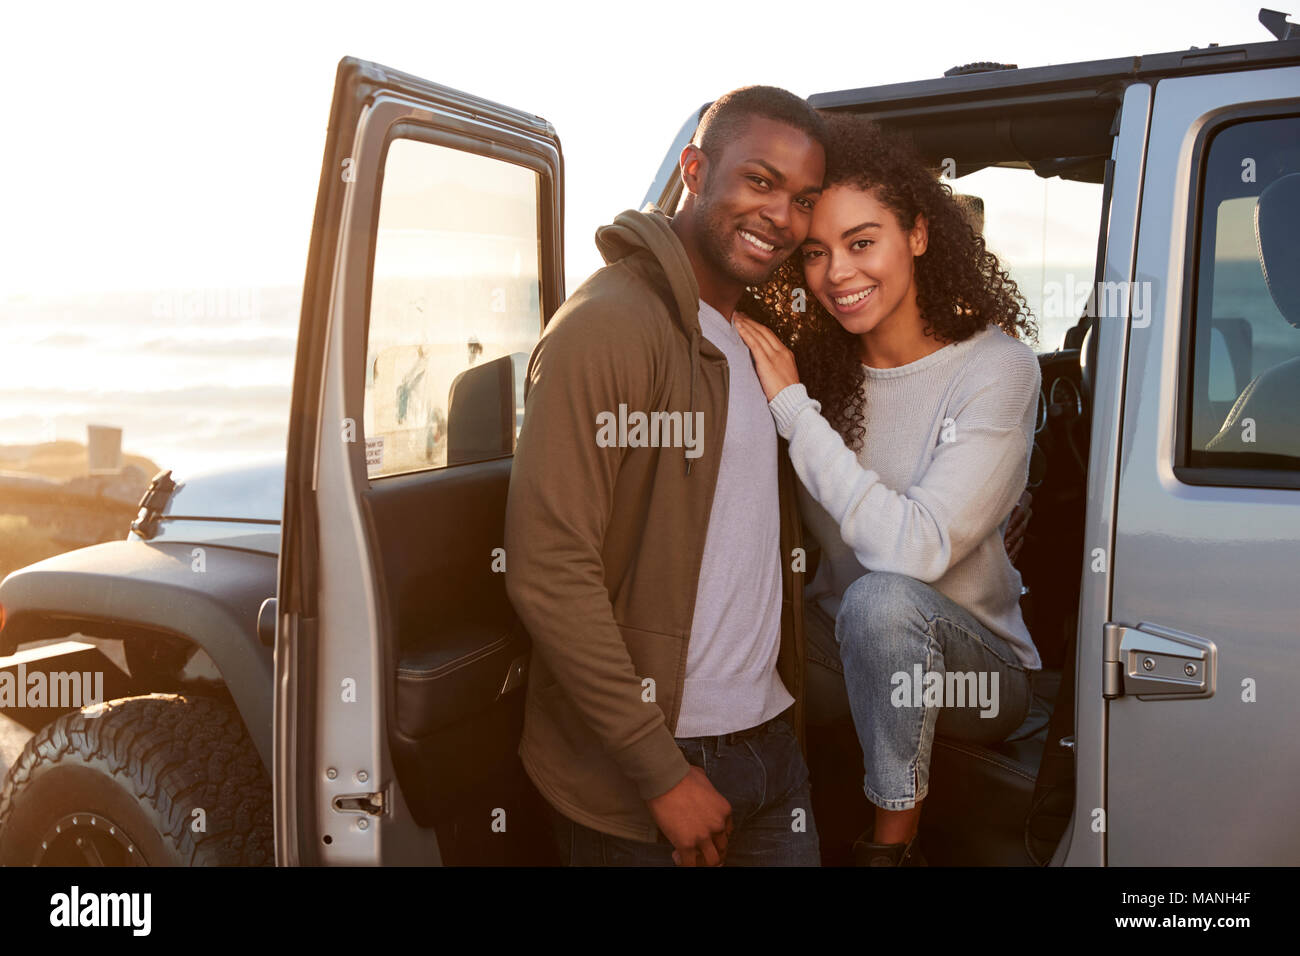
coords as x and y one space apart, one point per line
51 503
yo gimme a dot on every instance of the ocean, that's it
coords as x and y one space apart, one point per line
196 379
200 379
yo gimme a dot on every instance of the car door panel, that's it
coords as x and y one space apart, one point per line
1203 608
396 639
456 636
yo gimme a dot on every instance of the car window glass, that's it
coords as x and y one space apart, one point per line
1245 390
1222 386
456 287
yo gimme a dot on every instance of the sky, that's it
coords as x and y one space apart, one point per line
151 146
155 157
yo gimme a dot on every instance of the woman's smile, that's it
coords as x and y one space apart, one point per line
850 303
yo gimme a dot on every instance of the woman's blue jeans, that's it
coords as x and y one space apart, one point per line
908 663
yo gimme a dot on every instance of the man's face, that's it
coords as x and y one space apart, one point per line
756 202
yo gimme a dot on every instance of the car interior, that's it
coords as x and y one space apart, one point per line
1006 803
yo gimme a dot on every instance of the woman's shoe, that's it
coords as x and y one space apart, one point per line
866 853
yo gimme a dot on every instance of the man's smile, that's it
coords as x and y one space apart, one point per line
760 244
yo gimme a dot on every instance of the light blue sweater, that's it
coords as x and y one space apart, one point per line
946 456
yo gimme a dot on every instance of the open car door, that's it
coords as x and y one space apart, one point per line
436 258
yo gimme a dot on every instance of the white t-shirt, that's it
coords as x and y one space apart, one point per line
731 678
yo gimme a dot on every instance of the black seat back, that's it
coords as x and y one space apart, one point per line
481 413
1277 241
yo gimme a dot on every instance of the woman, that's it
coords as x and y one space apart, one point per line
910 431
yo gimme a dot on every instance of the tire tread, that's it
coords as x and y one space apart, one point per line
174 753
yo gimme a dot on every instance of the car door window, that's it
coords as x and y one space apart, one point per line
1245 342
456 285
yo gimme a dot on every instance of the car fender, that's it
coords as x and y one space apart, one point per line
206 595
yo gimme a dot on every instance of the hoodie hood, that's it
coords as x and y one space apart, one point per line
649 234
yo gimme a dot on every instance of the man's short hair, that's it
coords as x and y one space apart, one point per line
727 116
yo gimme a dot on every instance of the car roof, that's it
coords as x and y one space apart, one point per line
1089 75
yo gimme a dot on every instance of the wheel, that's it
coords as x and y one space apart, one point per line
158 780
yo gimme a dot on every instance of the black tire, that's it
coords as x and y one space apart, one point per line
122 788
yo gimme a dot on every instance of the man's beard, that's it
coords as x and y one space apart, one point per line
718 237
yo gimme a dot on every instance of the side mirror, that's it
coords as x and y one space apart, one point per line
481 413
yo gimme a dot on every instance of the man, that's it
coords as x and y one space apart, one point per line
651 527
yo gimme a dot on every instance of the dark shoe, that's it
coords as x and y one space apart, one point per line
866 853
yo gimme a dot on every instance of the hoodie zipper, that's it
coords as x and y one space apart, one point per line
695 367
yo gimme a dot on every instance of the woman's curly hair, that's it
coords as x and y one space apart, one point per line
961 286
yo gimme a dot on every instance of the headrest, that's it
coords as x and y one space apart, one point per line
1277 240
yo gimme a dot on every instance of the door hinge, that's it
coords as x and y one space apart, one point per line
1150 662
1112 680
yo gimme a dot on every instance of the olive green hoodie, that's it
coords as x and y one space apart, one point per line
604 543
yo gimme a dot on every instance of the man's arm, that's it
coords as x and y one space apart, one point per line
561 495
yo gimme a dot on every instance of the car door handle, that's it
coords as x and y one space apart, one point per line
514 675
1151 662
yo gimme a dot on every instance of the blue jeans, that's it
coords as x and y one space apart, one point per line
908 663
762 775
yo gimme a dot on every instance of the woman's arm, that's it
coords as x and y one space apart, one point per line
971 484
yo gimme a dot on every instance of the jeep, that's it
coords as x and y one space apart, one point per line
322 663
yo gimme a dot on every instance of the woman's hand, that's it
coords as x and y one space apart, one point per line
773 361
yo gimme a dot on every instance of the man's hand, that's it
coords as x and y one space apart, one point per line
1017 525
696 819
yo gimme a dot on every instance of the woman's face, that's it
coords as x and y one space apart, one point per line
858 259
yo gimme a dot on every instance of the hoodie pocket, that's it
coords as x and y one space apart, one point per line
656 658
660 662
